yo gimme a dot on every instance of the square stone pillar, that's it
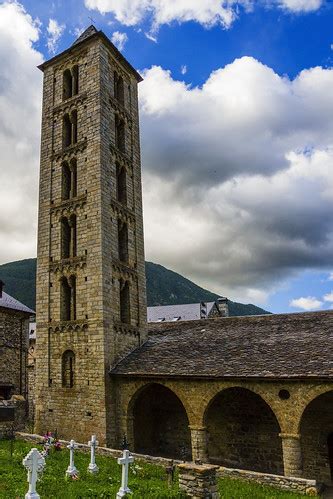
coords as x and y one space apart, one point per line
292 455
198 481
199 443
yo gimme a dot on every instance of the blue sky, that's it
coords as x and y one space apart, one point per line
249 209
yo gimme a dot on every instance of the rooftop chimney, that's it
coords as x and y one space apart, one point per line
1 287
222 305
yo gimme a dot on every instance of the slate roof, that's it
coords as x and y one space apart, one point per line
86 34
187 312
7 301
266 346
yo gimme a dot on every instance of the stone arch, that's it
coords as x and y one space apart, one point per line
160 424
243 431
316 431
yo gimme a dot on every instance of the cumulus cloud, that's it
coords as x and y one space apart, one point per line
328 297
20 98
208 13
240 174
183 69
301 5
119 39
306 303
55 31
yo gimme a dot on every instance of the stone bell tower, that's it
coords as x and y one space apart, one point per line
91 296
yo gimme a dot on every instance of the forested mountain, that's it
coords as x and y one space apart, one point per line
164 287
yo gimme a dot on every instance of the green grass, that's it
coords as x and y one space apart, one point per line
237 489
146 481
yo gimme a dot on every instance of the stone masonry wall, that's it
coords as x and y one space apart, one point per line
198 481
298 485
13 350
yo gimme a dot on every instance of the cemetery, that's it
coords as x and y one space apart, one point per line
53 469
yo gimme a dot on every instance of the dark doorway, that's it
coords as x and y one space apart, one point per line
161 424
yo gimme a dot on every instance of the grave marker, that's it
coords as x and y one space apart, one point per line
71 470
125 461
34 463
93 443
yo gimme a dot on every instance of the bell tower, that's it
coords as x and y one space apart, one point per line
91 296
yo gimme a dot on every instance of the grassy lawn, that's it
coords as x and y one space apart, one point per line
146 481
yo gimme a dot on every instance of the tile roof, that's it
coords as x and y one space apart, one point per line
7 301
168 313
267 346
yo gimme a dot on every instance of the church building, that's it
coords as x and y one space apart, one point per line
252 393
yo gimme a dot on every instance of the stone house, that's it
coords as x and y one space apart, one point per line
249 392
14 327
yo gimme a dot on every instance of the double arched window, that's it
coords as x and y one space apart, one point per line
70 82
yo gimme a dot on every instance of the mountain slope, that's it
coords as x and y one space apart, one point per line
164 287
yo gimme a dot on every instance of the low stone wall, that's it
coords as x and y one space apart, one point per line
300 485
198 481
103 451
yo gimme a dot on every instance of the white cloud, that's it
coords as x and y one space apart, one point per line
20 97
328 297
239 173
119 39
206 12
308 303
131 12
55 31
301 5
183 69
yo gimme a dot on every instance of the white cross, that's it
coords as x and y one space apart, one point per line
34 463
93 443
71 470
124 461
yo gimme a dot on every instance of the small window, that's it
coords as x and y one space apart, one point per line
70 82
122 241
121 184
118 88
120 134
68 368
124 302
68 299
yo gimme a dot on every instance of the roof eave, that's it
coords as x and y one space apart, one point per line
98 34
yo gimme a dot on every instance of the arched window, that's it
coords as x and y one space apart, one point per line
69 133
74 127
124 299
122 241
121 184
65 300
68 237
67 84
65 238
68 369
68 299
118 88
69 180
73 168
120 134
65 181
75 80
70 82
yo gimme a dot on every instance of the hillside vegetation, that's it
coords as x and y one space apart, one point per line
164 287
